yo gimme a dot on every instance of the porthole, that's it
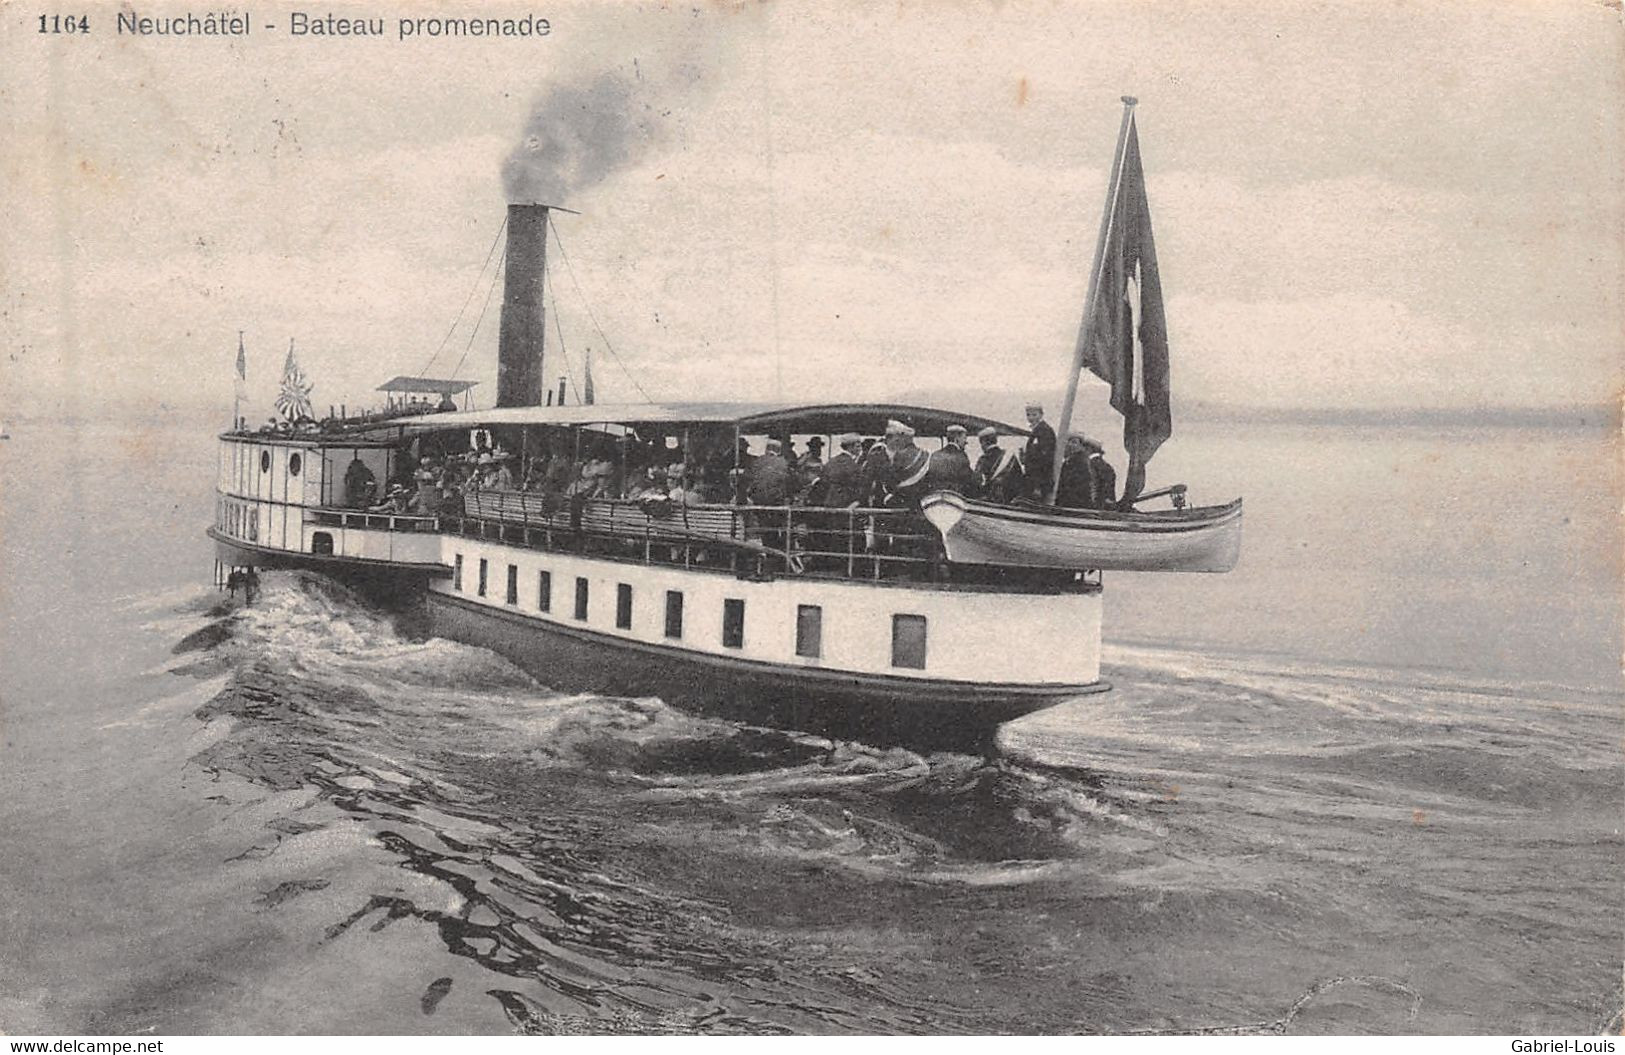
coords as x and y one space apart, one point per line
265 461
295 463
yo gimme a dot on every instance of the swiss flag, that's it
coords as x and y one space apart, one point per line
1126 343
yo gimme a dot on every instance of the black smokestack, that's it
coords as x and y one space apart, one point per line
524 318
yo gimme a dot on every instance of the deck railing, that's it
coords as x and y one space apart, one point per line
757 541
800 540
361 518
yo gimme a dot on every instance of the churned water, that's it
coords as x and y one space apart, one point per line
1370 782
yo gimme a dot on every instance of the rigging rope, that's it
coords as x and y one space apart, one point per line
569 371
601 334
495 275
475 288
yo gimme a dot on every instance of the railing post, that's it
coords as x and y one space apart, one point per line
851 543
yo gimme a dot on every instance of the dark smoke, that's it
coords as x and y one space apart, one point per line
578 135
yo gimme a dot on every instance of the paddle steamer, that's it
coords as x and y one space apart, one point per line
855 621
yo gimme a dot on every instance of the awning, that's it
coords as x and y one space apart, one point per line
426 385
799 419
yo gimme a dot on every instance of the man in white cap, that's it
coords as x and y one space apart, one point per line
909 465
998 471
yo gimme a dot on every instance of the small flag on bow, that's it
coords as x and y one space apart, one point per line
293 401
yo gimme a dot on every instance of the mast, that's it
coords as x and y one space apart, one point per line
1090 298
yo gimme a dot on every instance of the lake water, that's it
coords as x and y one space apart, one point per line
1369 782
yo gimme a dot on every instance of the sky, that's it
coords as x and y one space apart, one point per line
1367 204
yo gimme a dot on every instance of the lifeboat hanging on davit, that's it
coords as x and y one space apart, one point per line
1123 340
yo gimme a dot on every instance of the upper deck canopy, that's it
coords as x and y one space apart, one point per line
815 419
426 385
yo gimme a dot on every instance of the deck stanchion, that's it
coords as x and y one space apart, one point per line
852 542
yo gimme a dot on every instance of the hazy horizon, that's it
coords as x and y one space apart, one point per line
1432 212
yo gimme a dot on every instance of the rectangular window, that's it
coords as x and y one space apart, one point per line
581 599
623 606
908 641
674 614
733 623
809 630
513 584
483 569
457 573
544 591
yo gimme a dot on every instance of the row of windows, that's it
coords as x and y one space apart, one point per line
908 632
239 520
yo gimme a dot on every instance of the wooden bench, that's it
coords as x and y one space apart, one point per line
605 516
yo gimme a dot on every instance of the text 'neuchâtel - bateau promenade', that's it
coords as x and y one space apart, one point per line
324 25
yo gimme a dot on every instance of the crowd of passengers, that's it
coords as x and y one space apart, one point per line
892 471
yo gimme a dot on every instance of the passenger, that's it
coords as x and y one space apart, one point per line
451 489
1087 479
395 502
841 481
949 468
680 489
872 470
426 499
652 484
998 471
814 458
446 404
1103 478
1075 490
479 470
536 475
835 487
501 475
594 481
739 472
767 481
909 464
561 471
360 486
1038 459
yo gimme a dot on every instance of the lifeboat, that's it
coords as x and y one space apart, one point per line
1199 539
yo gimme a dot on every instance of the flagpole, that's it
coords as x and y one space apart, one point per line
1090 298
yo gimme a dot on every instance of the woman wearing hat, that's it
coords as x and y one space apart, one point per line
501 477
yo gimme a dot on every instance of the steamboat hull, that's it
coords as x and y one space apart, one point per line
876 709
394 583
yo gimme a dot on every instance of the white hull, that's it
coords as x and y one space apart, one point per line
1206 539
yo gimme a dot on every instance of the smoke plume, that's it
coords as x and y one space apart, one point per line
578 135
